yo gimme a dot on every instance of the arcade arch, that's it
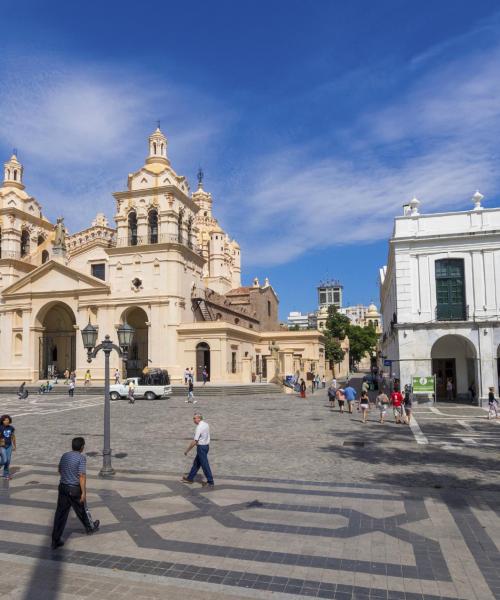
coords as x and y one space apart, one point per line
57 342
454 357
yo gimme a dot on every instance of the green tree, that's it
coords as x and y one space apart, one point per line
337 324
333 351
335 331
362 341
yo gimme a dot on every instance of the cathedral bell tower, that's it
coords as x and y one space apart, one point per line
13 173
157 148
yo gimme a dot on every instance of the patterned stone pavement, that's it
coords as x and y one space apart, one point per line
300 509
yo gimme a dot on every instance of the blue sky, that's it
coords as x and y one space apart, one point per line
314 121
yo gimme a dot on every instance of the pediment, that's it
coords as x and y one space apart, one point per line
54 278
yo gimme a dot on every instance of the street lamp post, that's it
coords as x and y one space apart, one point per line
89 336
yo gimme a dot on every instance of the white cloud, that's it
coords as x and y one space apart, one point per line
437 141
80 129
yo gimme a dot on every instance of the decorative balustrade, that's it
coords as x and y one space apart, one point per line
87 236
161 238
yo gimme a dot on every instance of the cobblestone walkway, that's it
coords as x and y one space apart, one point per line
300 509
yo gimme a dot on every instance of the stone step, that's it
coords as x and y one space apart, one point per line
213 390
251 389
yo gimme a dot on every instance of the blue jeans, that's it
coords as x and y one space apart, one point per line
201 460
6 457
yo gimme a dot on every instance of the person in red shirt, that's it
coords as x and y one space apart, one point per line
397 406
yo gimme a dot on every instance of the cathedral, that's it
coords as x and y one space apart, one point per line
166 268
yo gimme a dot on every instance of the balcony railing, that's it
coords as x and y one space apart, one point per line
447 312
162 238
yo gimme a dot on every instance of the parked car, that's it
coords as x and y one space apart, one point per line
153 385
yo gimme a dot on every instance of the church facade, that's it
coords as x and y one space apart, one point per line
167 268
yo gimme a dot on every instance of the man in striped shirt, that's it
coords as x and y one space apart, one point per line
72 492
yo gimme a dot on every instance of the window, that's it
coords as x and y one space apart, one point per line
450 290
322 297
233 362
25 243
132 228
336 297
40 239
99 270
153 226
268 308
45 256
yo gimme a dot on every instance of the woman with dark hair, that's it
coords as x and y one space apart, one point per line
302 388
364 403
7 443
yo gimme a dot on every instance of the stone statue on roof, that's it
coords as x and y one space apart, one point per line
60 234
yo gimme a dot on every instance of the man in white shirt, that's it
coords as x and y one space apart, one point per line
202 441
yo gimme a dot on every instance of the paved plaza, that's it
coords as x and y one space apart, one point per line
307 503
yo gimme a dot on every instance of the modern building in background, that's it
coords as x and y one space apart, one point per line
440 298
330 293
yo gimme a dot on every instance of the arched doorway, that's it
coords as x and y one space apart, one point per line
138 353
202 360
57 344
454 357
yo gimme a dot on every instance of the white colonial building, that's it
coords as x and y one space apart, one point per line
440 298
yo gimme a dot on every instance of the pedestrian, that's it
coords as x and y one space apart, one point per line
190 398
334 382
22 392
472 393
72 492
72 376
323 382
408 401
365 386
71 388
88 378
492 403
56 376
397 404
66 376
364 403
341 399
302 388
117 376
318 381
131 392
204 375
191 374
202 442
382 403
350 396
186 375
7 443
449 389
332 392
